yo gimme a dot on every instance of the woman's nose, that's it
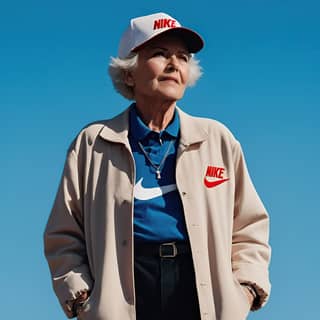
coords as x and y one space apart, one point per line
173 64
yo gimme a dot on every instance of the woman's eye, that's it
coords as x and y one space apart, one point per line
184 57
159 54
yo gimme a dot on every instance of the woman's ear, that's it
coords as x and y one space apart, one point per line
128 79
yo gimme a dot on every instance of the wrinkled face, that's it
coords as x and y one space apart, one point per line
162 70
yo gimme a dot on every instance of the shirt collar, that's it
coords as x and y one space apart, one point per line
138 129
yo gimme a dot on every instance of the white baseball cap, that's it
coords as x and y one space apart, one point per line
143 29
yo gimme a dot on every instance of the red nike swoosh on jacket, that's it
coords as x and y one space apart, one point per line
211 184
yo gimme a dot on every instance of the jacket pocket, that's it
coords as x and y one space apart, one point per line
242 296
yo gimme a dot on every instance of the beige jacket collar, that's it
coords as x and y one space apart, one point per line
117 128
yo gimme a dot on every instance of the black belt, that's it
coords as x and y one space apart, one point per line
163 250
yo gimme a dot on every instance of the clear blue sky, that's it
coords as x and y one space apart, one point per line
261 78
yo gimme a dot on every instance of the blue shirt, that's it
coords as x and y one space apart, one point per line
158 211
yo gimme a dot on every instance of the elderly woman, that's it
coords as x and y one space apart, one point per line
156 216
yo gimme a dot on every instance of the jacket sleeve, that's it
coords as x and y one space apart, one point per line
250 248
64 239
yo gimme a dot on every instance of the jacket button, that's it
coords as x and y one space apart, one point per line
124 242
184 193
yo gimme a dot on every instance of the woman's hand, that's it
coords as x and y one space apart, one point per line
250 292
78 303
75 305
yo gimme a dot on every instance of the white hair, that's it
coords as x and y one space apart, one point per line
119 67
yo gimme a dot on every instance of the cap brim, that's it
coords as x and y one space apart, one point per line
193 40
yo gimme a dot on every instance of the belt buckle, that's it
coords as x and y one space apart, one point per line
173 247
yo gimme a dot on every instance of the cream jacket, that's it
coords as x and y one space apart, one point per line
89 235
